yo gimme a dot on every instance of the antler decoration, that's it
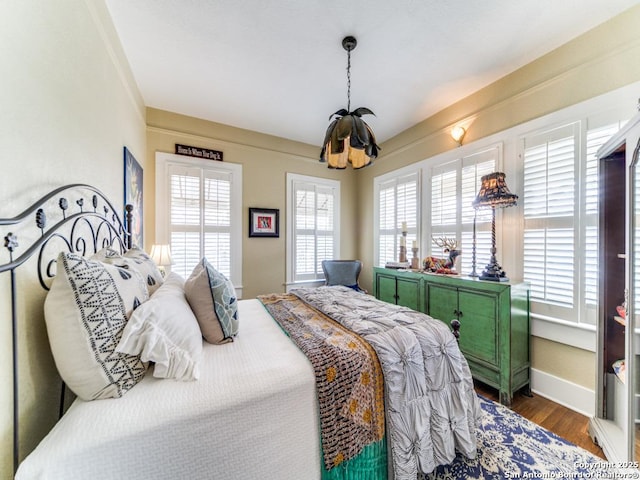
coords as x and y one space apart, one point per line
446 243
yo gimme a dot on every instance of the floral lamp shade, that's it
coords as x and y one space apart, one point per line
493 194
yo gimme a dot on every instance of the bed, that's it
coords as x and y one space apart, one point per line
202 429
264 403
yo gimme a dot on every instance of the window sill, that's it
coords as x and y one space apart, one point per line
303 284
575 335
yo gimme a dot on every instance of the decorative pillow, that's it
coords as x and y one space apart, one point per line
136 259
165 331
214 303
86 310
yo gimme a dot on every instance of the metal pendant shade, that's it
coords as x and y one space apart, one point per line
349 140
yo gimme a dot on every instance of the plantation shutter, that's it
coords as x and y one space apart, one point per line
454 186
200 218
444 195
398 202
315 230
474 168
549 211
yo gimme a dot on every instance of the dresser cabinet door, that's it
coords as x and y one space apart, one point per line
386 288
408 291
442 302
398 290
478 315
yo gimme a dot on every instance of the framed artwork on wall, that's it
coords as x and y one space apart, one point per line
133 189
264 222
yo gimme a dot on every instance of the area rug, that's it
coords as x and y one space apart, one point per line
510 446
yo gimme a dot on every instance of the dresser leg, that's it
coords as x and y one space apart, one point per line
505 398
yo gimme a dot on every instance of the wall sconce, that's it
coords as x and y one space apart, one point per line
458 133
161 255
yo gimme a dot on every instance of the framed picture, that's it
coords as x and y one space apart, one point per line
264 222
133 195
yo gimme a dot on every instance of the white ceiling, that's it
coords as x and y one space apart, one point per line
278 67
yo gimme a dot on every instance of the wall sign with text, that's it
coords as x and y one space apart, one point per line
198 152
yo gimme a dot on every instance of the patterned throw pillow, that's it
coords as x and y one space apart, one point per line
212 298
86 311
136 259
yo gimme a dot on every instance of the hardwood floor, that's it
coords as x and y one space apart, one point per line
562 421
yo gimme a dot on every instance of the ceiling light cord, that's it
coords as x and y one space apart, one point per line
349 80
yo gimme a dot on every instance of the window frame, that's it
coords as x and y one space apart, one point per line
582 315
460 228
413 232
550 222
163 234
292 179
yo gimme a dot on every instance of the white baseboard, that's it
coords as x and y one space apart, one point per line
566 393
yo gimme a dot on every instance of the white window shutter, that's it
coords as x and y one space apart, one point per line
549 211
200 219
454 186
315 232
398 203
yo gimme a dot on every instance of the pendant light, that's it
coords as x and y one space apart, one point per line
349 139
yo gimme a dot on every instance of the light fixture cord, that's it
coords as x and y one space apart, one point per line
349 81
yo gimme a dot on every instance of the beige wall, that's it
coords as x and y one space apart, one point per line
599 61
266 160
68 105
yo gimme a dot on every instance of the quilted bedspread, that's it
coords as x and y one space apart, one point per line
431 407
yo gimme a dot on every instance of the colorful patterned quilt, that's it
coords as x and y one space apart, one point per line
431 407
348 378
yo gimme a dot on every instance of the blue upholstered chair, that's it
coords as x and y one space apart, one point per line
342 272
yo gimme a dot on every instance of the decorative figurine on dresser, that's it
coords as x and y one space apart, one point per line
443 265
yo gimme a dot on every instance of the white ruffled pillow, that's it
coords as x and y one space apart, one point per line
164 330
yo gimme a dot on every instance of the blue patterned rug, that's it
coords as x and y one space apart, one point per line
510 446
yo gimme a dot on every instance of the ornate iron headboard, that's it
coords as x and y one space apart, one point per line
83 221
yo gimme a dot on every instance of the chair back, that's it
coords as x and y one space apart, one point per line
342 272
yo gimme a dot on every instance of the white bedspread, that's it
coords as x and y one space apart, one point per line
252 414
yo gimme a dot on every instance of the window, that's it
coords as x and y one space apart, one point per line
454 186
549 211
313 211
397 203
199 213
560 238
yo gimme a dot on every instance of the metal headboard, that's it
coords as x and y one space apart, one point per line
83 222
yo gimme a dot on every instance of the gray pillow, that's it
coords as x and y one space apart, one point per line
212 298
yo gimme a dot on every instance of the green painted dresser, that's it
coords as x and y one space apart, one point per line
493 316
